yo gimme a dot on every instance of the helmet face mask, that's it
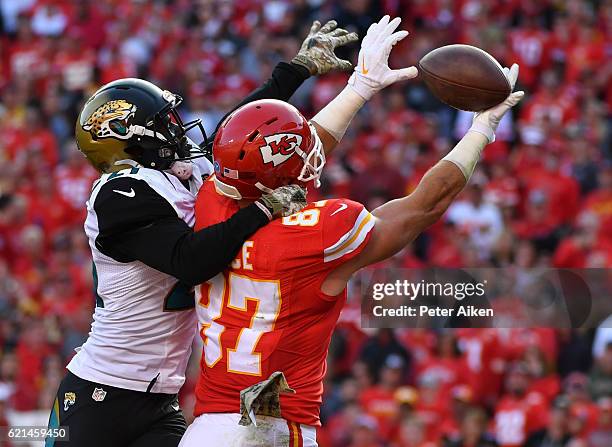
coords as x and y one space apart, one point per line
134 119
314 162
264 145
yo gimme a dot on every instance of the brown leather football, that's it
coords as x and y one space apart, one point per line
464 77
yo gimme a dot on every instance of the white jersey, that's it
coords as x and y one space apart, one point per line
144 322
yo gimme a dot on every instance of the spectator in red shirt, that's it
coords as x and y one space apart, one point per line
519 413
537 224
379 400
530 48
365 433
40 141
412 433
599 202
31 266
585 53
447 367
25 53
583 411
561 192
551 105
31 351
484 356
602 435
462 397
585 247
543 379
74 179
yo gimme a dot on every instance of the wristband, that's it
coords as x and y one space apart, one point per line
467 152
336 116
483 129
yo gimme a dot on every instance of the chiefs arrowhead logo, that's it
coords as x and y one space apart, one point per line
280 147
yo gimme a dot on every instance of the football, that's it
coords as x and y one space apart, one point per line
464 77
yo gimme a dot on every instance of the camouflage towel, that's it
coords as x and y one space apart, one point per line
263 398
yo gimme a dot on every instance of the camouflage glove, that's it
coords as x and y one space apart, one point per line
283 201
317 52
263 398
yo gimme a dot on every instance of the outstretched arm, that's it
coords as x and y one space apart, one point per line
371 75
400 221
316 57
146 228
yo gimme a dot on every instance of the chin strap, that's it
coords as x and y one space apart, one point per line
143 131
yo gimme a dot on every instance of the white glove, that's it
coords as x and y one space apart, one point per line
486 122
372 72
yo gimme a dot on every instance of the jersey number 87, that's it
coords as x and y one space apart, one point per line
233 293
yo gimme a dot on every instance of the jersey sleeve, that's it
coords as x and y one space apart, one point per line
149 230
347 226
123 205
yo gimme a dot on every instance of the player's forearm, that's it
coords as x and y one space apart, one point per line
170 246
202 254
404 219
436 190
336 116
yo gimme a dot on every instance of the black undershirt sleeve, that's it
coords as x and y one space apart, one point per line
143 226
286 78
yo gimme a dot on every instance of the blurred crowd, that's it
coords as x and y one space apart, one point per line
542 196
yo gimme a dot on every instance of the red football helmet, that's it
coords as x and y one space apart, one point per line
263 145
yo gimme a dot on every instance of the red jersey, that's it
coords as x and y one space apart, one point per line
380 403
266 312
600 203
530 49
517 418
485 361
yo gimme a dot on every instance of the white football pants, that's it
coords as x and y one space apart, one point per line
222 430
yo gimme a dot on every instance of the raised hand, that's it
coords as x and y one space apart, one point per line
486 122
372 72
317 51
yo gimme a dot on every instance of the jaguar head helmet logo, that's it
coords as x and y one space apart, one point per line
111 120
